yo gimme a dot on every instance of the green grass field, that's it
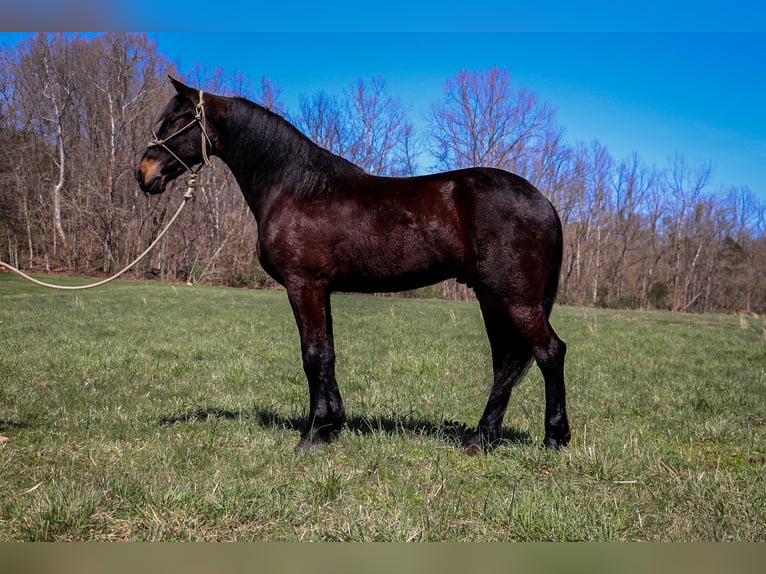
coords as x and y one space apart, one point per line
147 411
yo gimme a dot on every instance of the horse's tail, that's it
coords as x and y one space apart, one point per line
552 286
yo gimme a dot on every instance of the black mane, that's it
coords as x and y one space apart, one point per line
276 150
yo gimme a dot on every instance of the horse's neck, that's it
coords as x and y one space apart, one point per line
263 154
270 157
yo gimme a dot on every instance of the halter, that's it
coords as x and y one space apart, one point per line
199 118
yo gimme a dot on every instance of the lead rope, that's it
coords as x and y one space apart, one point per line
187 196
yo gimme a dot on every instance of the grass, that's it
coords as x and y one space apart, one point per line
146 411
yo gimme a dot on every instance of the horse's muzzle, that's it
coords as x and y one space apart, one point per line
149 177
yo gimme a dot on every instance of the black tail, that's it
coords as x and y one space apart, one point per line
552 287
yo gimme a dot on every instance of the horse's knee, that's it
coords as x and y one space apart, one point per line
311 356
318 361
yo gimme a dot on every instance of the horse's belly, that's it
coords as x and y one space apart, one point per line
398 262
364 281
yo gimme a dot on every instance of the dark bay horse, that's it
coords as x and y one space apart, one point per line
325 225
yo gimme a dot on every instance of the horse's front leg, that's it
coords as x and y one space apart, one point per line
311 307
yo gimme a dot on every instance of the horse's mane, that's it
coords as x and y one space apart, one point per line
283 153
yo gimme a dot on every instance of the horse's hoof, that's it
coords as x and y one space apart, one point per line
556 443
303 444
314 439
472 449
306 443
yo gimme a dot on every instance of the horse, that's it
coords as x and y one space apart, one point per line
325 225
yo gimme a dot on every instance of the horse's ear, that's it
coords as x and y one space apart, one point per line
184 90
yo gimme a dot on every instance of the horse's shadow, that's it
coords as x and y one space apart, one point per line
6 425
451 432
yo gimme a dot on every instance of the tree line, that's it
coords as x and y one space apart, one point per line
76 113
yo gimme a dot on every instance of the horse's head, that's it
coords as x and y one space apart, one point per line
181 141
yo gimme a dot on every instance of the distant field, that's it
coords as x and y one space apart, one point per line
147 411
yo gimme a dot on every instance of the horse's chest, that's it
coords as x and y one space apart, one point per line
290 246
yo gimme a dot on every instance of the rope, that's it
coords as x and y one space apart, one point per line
187 196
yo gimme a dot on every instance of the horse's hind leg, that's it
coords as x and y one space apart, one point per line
549 352
517 333
511 356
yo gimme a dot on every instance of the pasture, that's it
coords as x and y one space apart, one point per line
147 411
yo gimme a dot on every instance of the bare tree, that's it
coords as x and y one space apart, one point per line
322 119
120 89
684 185
381 134
367 126
484 120
549 169
269 96
45 76
631 185
84 105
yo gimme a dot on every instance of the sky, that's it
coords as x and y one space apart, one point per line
652 78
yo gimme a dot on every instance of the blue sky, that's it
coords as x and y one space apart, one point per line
657 78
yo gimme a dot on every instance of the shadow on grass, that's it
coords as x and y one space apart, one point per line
6 425
452 432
